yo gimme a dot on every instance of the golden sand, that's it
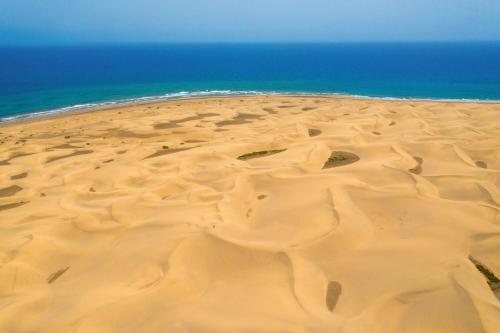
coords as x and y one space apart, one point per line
255 214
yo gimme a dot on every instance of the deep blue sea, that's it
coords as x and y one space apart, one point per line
34 79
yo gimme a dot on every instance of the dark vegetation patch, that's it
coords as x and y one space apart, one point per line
491 278
418 168
314 132
481 164
9 191
340 158
54 276
76 153
257 154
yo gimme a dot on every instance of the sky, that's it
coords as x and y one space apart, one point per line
152 21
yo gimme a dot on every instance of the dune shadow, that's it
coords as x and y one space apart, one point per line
19 176
9 191
13 205
418 168
76 153
54 276
163 152
333 292
241 118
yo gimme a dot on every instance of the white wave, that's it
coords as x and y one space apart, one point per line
218 93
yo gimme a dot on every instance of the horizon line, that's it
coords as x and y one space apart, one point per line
125 43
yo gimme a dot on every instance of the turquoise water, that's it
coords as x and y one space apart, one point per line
39 79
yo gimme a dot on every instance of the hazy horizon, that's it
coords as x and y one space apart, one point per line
224 21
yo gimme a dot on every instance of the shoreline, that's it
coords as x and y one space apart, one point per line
107 105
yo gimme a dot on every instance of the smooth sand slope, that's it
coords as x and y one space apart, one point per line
257 214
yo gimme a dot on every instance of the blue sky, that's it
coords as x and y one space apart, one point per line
121 21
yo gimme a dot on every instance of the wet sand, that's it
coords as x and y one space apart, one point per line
253 214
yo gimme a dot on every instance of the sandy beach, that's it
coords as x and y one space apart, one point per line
253 214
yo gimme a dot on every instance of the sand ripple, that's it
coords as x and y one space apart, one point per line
340 215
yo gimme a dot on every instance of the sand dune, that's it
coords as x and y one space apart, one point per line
255 214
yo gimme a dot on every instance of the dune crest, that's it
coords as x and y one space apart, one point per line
253 214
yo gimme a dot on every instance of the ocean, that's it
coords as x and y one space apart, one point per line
42 79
